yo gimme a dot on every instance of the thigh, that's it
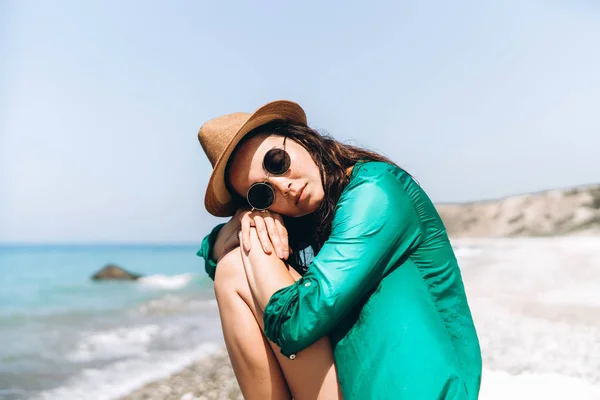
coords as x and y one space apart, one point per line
312 374
256 368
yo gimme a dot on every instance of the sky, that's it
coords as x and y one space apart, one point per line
101 101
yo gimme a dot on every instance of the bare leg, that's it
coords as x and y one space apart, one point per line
255 366
262 371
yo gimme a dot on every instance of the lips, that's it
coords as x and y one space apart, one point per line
300 194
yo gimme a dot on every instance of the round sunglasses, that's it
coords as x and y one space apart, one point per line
261 195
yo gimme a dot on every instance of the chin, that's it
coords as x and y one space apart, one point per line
298 213
301 213
312 207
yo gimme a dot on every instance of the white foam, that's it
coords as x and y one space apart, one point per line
166 281
106 345
123 377
499 385
171 303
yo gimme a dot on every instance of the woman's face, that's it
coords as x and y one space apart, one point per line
298 191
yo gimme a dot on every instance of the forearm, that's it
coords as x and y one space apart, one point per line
217 250
266 273
225 241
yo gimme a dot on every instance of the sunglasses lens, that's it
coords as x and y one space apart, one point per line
277 161
261 196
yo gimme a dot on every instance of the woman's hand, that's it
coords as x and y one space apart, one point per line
271 232
269 226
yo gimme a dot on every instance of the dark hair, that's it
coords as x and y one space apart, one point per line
308 233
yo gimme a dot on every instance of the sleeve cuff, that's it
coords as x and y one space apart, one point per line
208 242
276 313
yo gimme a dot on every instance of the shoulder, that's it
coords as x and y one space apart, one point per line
379 196
377 175
375 186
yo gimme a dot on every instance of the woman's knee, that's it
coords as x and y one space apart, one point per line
230 276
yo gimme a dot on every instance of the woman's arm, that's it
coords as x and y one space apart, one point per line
374 226
224 237
266 272
206 250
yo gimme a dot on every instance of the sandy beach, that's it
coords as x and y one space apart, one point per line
536 306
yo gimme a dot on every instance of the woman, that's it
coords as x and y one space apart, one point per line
335 275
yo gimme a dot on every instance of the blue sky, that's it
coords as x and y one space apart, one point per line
100 102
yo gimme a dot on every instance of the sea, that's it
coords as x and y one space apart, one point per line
64 336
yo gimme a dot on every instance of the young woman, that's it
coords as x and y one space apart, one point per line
334 277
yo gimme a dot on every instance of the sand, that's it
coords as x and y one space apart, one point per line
536 306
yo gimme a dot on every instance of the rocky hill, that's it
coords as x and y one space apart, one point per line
553 212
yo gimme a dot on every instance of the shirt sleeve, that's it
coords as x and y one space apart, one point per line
375 224
205 251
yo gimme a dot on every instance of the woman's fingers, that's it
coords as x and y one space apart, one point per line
245 225
274 235
271 232
263 235
283 236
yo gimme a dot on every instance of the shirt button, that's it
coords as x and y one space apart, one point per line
292 356
307 284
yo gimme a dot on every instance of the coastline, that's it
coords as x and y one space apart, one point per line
210 378
537 317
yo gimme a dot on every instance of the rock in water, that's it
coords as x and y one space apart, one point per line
114 272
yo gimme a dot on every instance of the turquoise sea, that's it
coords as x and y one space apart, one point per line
64 336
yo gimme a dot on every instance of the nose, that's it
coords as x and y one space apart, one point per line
281 184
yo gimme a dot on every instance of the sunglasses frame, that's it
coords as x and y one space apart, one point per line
266 181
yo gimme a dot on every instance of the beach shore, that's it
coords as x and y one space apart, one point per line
536 308
211 378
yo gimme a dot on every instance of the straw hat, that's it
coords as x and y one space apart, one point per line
220 135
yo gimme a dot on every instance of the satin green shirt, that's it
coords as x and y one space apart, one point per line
387 289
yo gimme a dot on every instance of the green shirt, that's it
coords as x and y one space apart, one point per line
387 289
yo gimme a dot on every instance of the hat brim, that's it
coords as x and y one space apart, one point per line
217 200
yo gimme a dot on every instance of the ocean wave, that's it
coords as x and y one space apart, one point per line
172 303
116 343
122 377
166 281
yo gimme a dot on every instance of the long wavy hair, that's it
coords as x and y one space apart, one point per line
308 233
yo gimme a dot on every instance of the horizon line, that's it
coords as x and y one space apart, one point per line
96 243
